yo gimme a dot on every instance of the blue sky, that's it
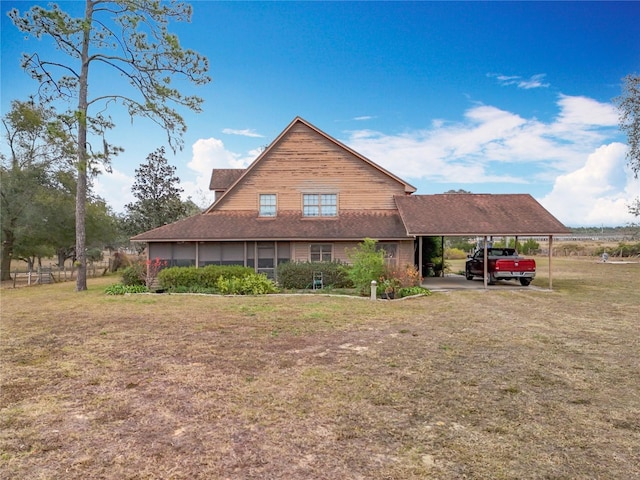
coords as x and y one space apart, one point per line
490 97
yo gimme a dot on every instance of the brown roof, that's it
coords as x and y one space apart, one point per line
226 226
452 214
223 178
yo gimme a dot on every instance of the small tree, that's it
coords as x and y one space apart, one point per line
157 195
367 265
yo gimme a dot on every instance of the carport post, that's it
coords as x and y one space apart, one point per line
486 262
550 250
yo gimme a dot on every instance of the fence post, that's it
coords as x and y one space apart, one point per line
374 288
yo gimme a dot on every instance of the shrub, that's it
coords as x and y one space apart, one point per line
410 291
461 244
367 265
454 254
254 284
204 277
120 260
529 247
300 274
120 289
134 274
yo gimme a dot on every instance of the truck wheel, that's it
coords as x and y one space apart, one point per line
492 279
525 282
468 274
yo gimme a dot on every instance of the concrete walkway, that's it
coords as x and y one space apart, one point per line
459 282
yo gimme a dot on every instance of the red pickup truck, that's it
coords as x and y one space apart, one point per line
504 264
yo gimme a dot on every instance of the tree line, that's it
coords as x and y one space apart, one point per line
38 193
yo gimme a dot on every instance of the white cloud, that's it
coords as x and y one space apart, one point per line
490 140
584 111
597 193
245 133
363 118
207 154
535 81
115 188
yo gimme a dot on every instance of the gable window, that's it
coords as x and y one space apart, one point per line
319 204
267 205
321 252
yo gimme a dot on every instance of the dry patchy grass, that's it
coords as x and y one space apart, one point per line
472 384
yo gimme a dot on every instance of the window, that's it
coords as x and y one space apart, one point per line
267 205
321 252
319 205
390 252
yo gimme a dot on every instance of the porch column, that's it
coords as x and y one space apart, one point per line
486 263
420 256
550 256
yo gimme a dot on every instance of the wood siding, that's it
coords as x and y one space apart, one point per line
305 162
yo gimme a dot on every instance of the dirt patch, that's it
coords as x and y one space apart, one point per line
497 384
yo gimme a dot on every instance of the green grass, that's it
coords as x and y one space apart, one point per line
479 384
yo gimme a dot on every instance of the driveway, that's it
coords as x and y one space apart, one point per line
459 282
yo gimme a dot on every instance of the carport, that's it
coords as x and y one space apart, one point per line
478 215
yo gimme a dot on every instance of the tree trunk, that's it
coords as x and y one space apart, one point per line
81 192
7 252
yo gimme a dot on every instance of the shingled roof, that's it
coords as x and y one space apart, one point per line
457 214
245 225
223 178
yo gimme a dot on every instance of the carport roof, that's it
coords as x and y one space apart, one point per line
459 214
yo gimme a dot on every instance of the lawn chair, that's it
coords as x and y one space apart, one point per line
318 281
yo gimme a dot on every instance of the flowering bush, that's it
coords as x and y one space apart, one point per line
140 273
153 268
394 278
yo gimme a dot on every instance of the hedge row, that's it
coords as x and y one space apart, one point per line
203 277
300 275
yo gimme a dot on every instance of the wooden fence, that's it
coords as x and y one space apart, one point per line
54 274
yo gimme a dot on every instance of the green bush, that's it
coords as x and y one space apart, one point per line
622 250
367 265
454 254
529 247
254 284
300 274
203 277
410 291
120 289
134 274
461 244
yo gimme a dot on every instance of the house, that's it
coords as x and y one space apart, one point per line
308 197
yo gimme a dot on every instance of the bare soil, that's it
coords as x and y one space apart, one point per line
524 383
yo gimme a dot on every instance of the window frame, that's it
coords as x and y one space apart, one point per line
262 212
324 206
322 252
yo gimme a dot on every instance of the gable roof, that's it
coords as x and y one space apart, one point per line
408 188
223 178
245 225
452 214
